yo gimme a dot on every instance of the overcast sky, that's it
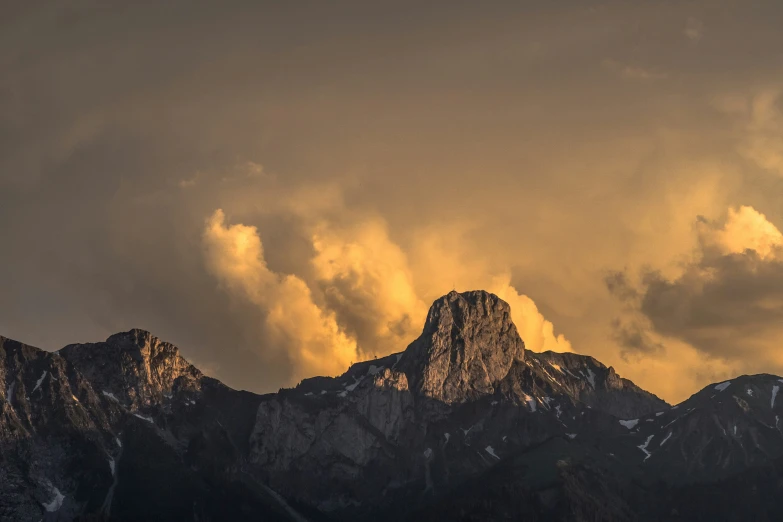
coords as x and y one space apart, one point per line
283 188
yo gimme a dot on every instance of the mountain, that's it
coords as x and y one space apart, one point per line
464 424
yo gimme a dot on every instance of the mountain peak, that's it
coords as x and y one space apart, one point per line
134 365
137 339
467 346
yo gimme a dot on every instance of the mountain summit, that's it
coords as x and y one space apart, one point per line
464 424
467 347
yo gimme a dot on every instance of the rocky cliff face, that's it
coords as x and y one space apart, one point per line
123 430
52 422
463 424
467 347
135 367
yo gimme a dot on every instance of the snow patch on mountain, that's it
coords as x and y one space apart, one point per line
352 387
531 402
722 386
591 377
39 381
491 451
643 447
630 424
56 503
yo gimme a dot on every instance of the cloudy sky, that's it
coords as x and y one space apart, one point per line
283 188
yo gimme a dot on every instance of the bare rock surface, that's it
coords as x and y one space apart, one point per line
135 367
467 347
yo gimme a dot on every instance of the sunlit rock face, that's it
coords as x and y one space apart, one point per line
135 367
468 345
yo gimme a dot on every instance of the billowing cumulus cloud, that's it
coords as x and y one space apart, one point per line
361 299
309 335
366 281
537 332
744 229
728 300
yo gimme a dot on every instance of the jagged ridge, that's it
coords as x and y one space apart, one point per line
462 403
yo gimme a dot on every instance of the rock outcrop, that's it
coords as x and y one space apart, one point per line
134 367
467 347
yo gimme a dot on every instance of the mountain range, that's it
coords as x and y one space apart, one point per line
464 424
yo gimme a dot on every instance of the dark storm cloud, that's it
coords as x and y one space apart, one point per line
726 305
634 338
726 301
618 285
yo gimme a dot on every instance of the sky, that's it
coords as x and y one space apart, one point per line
283 188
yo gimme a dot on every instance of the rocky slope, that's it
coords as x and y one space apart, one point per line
123 430
464 424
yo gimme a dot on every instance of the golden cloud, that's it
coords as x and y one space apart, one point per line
362 298
309 335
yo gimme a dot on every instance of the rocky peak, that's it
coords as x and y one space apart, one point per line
466 348
142 345
135 366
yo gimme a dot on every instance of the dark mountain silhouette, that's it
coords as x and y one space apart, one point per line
465 424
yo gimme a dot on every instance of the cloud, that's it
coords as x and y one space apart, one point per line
537 332
634 72
366 281
442 259
728 300
635 338
745 229
764 130
359 299
632 331
759 118
618 285
694 29
309 335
